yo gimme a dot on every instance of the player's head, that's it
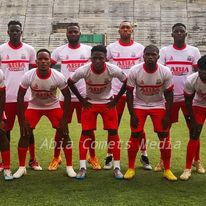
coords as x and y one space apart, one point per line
179 32
125 30
43 59
151 55
73 33
14 31
202 68
98 57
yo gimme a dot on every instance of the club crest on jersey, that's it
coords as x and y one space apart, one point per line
141 82
82 57
35 86
190 58
116 54
7 57
23 56
106 81
67 57
158 81
52 88
133 54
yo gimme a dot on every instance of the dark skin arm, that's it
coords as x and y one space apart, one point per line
114 101
169 102
74 89
67 100
133 118
24 126
188 104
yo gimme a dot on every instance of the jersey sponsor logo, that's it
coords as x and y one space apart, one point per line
125 64
150 91
179 70
16 66
44 95
97 89
73 66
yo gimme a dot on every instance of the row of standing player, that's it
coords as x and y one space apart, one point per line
124 53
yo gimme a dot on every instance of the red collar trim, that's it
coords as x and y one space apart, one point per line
149 71
72 47
177 48
14 47
126 44
92 68
45 77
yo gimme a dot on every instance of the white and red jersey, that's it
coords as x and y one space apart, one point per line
71 59
182 62
124 56
194 84
14 62
149 86
98 86
43 90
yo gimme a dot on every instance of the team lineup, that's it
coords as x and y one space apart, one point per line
101 80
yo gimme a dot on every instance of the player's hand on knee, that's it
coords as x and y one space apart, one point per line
2 127
134 121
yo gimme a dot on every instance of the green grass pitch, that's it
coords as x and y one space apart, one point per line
100 188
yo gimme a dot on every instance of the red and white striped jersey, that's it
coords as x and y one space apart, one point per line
98 86
124 56
195 85
43 90
149 86
182 62
14 62
71 59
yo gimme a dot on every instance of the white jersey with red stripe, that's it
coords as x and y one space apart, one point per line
71 59
98 86
149 86
195 85
14 62
43 90
124 56
182 62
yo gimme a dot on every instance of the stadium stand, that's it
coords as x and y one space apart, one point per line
44 21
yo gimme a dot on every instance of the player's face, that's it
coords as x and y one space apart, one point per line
179 33
14 32
150 56
125 30
98 60
73 34
202 74
43 61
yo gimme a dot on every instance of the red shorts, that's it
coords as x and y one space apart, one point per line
156 116
11 111
89 117
200 114
121 105
73 106
33 116
175 111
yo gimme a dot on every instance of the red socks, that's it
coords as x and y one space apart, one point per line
192 147
22 156
5 155
133 147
